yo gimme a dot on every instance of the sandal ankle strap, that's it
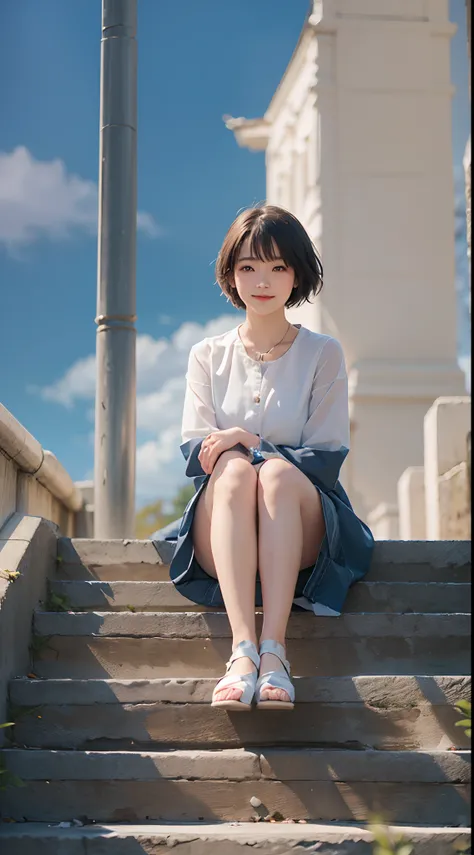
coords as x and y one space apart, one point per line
245 649
270 646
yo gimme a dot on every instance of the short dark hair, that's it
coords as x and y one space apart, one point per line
265 225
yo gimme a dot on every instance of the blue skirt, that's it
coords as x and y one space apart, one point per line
343 559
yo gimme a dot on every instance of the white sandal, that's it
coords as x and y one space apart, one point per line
246 682
275 679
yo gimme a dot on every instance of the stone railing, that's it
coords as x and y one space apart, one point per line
34 483
434 500
38 501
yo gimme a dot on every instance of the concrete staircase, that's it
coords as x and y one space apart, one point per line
116 732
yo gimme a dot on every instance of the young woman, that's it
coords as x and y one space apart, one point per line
265 431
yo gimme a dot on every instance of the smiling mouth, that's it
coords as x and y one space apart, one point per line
259 297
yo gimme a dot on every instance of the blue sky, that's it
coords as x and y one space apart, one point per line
197 62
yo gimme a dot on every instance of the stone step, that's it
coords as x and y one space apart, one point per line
403 597
388 713
138 560
126 658
221 839
302 625
377 691
112 560
167 644
428 788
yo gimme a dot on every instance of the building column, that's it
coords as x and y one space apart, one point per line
384 218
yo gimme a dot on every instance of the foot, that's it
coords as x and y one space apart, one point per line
269 662
240 666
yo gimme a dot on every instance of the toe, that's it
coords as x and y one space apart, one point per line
234 694
274 695
229 695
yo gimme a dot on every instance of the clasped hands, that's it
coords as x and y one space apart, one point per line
222 440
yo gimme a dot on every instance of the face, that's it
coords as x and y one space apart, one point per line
264 286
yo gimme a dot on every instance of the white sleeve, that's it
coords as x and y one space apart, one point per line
328 422
199 418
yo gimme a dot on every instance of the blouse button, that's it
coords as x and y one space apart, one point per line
256 399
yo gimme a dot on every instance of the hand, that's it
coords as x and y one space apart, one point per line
222 440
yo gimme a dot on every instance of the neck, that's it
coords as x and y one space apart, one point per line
263 332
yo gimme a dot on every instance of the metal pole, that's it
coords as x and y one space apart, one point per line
115 407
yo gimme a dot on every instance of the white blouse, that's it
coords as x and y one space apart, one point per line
299 399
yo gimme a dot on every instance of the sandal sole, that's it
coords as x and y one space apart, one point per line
232 705
275 705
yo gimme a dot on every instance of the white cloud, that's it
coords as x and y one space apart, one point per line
161 368
158 361
163 406
148 225
160 466
78 382
42 199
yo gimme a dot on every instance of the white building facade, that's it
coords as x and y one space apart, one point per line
357 141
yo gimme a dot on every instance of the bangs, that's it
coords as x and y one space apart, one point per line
267 241
263 242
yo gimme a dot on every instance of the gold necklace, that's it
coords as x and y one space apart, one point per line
259 356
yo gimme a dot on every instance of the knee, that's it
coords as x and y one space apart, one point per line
234 476
276 477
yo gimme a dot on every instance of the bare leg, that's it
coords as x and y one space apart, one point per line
291 529
225 543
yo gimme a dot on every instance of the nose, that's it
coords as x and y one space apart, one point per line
263 284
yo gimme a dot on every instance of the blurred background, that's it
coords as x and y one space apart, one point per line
359 127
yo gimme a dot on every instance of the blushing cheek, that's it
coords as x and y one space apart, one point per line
287 287
244 288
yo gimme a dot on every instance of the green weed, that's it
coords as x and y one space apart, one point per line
387 842
7 778
39 643
57 603
11 575
464 709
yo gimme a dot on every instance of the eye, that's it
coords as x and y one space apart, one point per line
246 267
280 267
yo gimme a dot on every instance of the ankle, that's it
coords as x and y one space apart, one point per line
274 637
